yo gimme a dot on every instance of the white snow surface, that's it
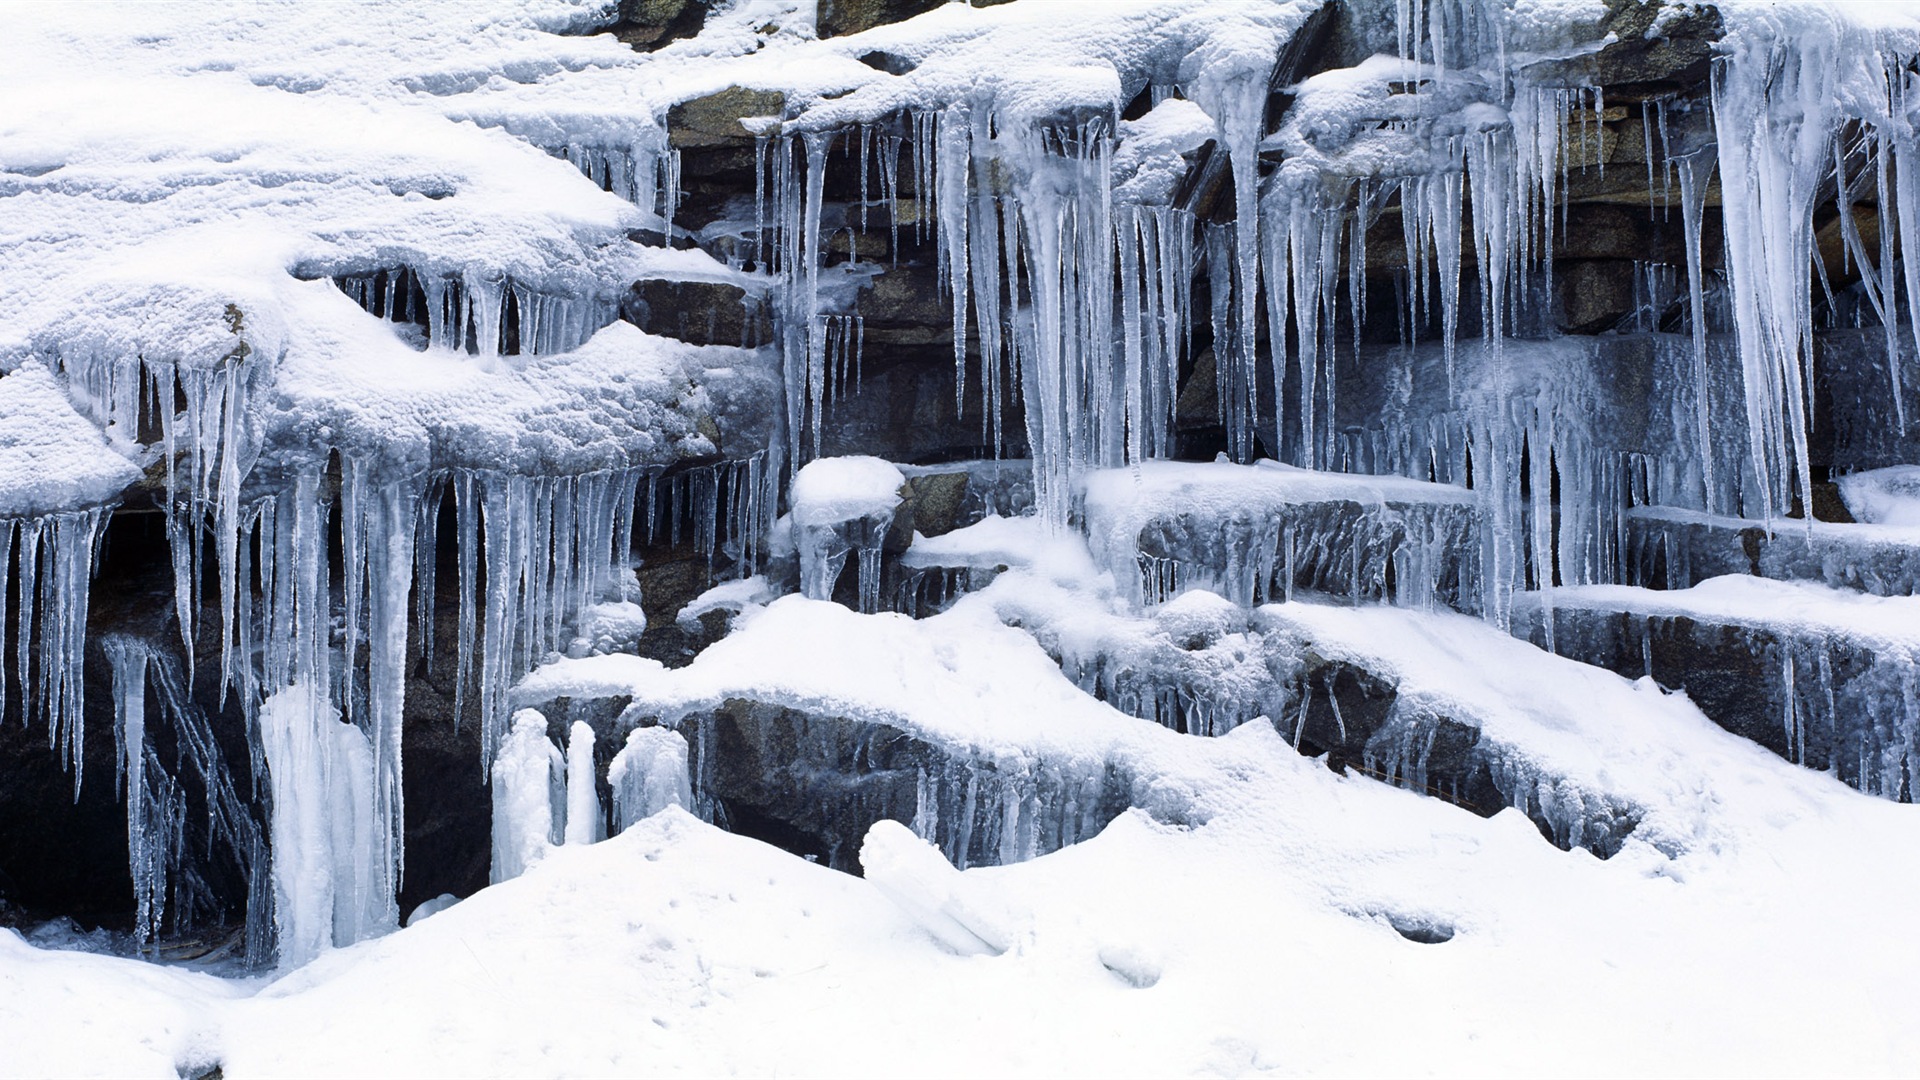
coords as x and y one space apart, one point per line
1796 606
674 948
163 167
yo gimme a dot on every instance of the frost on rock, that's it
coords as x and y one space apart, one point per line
1677 549
1824 677
370 343
1889 496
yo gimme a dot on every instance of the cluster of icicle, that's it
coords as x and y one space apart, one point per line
51 558
996 199
823 548
158 832
471 312
1413 555
1078 303
1571 813
533 551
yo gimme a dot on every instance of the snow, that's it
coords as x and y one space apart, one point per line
1677 548
1788 606
1248 528
51 458
843 506
649 775
832 490
674 947
729 596
530 797
1889 496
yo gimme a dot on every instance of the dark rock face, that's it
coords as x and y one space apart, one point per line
715 120
449 810
1594 294
1350 715
1639 64
1855 425
839 18
59 856
649 24
699 312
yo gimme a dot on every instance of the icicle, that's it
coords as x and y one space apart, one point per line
955 137
1693 170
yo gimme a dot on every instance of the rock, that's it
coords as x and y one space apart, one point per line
1595 294
649 24
1637 66
714 120
698 312
841 17
930 505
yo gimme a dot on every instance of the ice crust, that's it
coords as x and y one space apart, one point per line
1836 672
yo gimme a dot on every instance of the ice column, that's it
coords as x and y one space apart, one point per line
586 821
327 882
649 774
529 797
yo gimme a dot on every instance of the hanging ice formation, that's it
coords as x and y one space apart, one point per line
1005 202
482 312
51 557
841 507
533 551
586 820
1071 269
186 819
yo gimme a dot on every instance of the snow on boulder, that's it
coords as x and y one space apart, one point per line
832 490
914 875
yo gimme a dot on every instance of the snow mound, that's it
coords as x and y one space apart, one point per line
828 491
